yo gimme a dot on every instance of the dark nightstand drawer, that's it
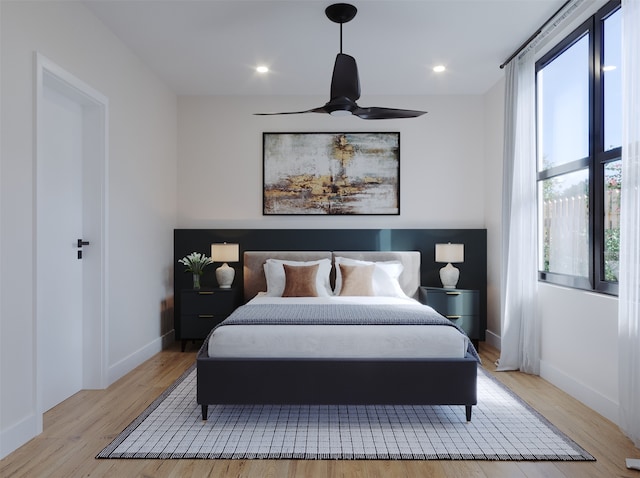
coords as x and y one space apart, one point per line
453 302
195 302
460 306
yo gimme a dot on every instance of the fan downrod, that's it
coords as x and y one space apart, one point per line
341 12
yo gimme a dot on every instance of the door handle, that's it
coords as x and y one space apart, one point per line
80 244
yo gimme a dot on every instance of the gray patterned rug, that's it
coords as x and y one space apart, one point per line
503 427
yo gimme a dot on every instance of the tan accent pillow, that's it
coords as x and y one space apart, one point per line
300 281
357 280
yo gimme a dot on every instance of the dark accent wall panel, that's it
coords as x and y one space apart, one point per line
473 271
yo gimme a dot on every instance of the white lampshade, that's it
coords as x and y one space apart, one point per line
449 253
225 253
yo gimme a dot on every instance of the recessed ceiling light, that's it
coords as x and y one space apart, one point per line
439 68
262 69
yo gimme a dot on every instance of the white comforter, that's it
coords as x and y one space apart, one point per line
337 341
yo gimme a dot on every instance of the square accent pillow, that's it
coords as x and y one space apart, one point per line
385 276
274 274
357 279
300 281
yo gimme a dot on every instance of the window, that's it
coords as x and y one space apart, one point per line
579 116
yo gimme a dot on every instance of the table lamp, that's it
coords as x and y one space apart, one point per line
225 253
449 253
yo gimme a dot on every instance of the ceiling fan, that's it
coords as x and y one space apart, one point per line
345 84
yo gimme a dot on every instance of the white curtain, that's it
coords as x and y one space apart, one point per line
520 348
629 278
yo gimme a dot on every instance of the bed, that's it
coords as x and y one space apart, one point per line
266 365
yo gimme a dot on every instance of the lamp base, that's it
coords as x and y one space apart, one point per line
225 275
449 276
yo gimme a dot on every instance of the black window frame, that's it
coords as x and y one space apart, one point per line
597 158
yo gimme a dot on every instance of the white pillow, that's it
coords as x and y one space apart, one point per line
276 279
385 276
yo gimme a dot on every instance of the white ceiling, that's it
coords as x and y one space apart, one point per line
212 47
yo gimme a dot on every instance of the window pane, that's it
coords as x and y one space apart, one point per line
564 224
612 77
563 107
612 185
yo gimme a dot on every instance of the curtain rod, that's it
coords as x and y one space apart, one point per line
532 37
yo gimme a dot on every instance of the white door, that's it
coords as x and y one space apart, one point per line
59 227
71 155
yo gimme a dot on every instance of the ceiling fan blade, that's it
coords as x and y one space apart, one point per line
385 113
345 81
312 110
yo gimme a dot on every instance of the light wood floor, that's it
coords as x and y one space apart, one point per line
77 429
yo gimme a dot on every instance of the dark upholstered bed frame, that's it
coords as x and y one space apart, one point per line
429 381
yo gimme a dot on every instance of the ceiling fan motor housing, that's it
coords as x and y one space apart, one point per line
341 106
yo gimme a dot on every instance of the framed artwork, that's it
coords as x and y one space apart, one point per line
331 173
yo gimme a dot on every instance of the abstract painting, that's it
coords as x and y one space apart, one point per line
331 173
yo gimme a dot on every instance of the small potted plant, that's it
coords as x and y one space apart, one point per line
195 262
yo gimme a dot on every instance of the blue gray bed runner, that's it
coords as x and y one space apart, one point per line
340 314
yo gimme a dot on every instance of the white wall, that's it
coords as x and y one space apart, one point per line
141 195
580 345
220 149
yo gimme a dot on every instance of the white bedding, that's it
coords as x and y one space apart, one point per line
337 341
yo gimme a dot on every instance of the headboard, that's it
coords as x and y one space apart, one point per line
473 271
254 279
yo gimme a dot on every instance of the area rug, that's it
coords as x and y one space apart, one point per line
503 427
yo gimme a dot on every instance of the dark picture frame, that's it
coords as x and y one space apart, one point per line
331 173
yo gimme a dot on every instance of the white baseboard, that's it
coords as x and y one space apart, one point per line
493 339
126 365
17 435
578 390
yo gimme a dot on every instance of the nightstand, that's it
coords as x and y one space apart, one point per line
201 310
460 306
